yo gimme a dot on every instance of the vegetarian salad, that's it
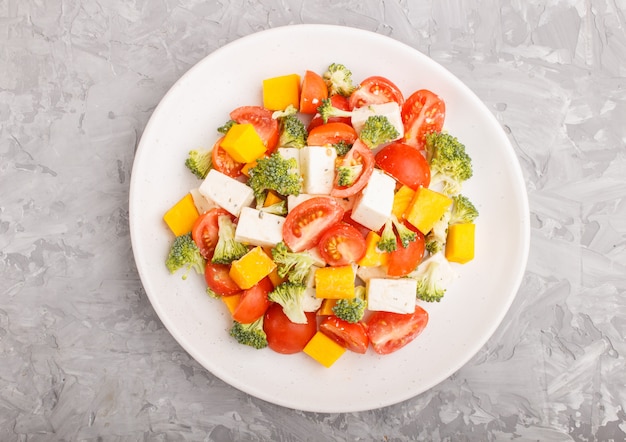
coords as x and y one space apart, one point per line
329 216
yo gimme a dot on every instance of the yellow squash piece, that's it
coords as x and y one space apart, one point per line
251 268
280 92
401 200
460 243
373 257
334 282
323 349
326 308
181 216
426 208
231 302
243 143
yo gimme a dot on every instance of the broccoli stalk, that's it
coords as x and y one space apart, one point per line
293 265
327 110
185 253
292 130
450 165
227 249
378 130
289 295
347 175
387 241
388 238
463 211
435 240
338 79
351 309
279 208
251 334
433 276
405 235
274 173
199 162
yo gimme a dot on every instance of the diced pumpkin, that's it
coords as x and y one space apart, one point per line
246 168
231 302
243 143
460 242
251 268
326 308
426 208
181 216
401 200
280 92
323 349
271 198
334 282
373 256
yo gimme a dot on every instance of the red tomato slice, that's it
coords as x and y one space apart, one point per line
389 332
253 302
223 162
351 336
314 90
331 133
422 113
347 218
359 154
307 222
284 336
338 101
219 280
341 245
375 90
405 163
403 261
261 119
204 231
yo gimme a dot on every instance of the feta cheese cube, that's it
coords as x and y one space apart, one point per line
390 110
318 169
226 192
391 295
294 200
259 228
310 302
373 208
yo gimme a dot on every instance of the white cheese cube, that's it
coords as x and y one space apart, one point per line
226 192
373 207
259 228
294 200
391 295
317 257
310 302
318 169
202 204
390 110
367 273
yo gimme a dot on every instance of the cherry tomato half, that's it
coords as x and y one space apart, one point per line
308 221
205 229
375 90
338 101
314 90
405 163
422 113
404 260
359 154
218 279
331 133
223 162
351 336
341 245
389 332
253 302
284 336
261 119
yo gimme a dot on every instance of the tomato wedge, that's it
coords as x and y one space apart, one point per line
404 260
359 154
389 332
341 245
338 101
307 222
314 90
405 163
261 119
253 302
205 229
375 90
218 279
351 336
223 162
422 113
284 336
331 133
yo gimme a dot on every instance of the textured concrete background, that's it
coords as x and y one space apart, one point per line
84 356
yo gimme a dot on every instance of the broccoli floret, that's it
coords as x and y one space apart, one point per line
342 148
251 334
226 126
405 235
185 253
338 79
292 130
387 241
289 295
351 309
199 162
279 208
227 249
463 211
293 265
450 165
435 240
274 173
327 110
378 130
433 276
347 175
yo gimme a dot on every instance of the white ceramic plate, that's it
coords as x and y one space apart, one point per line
459 326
